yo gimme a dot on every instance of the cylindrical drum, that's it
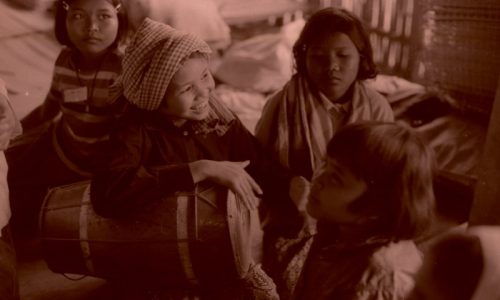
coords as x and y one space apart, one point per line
202 236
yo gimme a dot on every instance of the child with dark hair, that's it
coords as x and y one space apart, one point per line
461 265
370 200
64 133
333 57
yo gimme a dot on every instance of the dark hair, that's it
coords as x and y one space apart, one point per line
397 167
455 264
330 20
62 32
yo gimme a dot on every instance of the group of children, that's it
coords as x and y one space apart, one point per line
146 124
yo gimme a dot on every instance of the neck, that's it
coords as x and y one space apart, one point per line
343 233
89 62
178 122
348 95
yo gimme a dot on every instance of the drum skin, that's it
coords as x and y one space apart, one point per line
186 239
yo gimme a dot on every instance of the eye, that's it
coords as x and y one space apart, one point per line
344 55
76 16
186 89
103 17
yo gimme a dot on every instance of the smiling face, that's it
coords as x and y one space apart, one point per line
92 26
333 190
188 92
332 64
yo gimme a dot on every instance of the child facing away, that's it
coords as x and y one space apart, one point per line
333 57
64 133
177 134
461 265
373 197
9 128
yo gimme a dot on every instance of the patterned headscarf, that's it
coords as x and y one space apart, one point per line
152 59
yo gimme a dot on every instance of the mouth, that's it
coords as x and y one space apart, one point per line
334 79
200 108
92 40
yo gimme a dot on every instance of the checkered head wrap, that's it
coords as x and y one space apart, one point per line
152 59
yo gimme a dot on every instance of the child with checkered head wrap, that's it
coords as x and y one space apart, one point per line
177 135
157 53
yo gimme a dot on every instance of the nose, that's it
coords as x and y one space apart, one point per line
93 25
333 65
203 89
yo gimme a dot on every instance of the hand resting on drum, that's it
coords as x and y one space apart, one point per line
230 174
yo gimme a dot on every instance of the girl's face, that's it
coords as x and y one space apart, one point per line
188 92
332 192
332 64
92 26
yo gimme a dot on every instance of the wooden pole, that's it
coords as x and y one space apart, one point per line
486 206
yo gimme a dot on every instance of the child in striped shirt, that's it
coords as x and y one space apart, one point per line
64 133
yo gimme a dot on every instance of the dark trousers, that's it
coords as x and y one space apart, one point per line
9 285
34 168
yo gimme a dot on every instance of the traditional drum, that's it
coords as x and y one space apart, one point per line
203 236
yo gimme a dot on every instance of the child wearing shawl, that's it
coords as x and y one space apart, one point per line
177 134
333 57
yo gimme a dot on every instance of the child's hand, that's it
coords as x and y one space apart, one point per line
299 191
231 175
7 123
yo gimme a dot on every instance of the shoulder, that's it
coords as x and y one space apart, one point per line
273 101
114 57
271 108
391 271
132 123
64 65
65 57
379 105
371 94
287 93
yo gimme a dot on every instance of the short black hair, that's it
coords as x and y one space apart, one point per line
398 168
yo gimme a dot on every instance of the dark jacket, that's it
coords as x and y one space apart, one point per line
148 160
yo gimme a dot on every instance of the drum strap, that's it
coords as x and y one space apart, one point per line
84 232
183 237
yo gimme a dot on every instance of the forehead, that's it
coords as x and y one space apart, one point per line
91 4
191 69
332 41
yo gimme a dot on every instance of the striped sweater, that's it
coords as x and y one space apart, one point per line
89 108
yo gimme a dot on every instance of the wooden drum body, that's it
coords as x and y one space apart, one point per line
204 236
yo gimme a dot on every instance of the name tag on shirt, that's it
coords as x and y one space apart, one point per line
78 94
